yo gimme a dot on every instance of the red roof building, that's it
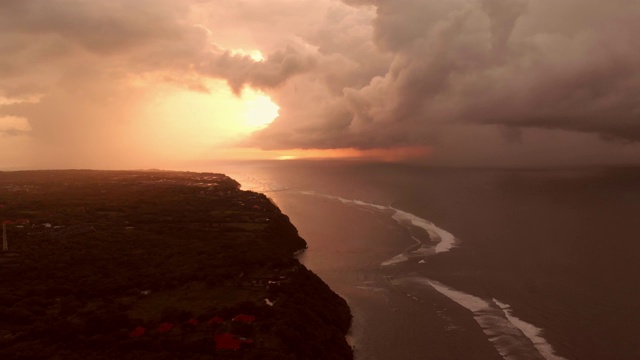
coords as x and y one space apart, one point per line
215 320
164 327
193 322
137 332
227 341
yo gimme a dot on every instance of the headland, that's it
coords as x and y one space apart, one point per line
156 265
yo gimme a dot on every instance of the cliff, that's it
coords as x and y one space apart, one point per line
152 264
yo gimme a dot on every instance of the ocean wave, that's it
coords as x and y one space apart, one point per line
512 337
445 241
531 331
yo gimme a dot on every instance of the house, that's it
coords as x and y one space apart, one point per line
215 320
227 341
137 332
164 327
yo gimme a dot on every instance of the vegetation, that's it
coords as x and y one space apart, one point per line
105 254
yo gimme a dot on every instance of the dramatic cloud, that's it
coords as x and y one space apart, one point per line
83 72
462 78
570 65
136 36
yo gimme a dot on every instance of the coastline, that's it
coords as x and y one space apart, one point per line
517 246
387 323
164 253
504 333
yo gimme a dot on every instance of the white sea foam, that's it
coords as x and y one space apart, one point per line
512 337
445 240
395 260
371 288
531 331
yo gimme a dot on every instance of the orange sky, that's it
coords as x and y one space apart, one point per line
146 83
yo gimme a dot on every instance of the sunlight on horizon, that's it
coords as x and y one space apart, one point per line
395 154
182 123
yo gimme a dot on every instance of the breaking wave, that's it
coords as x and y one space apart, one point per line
512 337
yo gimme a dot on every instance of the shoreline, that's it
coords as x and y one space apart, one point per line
518 246
145 264
529 340
376 305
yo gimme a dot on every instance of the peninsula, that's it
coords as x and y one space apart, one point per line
156 265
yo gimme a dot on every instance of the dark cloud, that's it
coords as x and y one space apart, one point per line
520 64
346 74
243 70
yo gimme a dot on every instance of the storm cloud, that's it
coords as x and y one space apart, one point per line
569 65
364 74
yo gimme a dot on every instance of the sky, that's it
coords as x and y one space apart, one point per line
167 83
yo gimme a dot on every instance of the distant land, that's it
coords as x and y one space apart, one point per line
156 265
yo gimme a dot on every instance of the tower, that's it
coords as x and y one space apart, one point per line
5 244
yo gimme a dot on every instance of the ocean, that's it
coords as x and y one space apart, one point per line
440 263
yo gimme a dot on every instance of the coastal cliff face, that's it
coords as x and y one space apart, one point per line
151 264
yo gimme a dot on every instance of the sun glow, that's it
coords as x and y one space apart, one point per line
255 55
183 123
259 110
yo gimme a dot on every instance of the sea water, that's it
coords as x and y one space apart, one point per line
443 263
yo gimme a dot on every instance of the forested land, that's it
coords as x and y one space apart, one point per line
136 264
